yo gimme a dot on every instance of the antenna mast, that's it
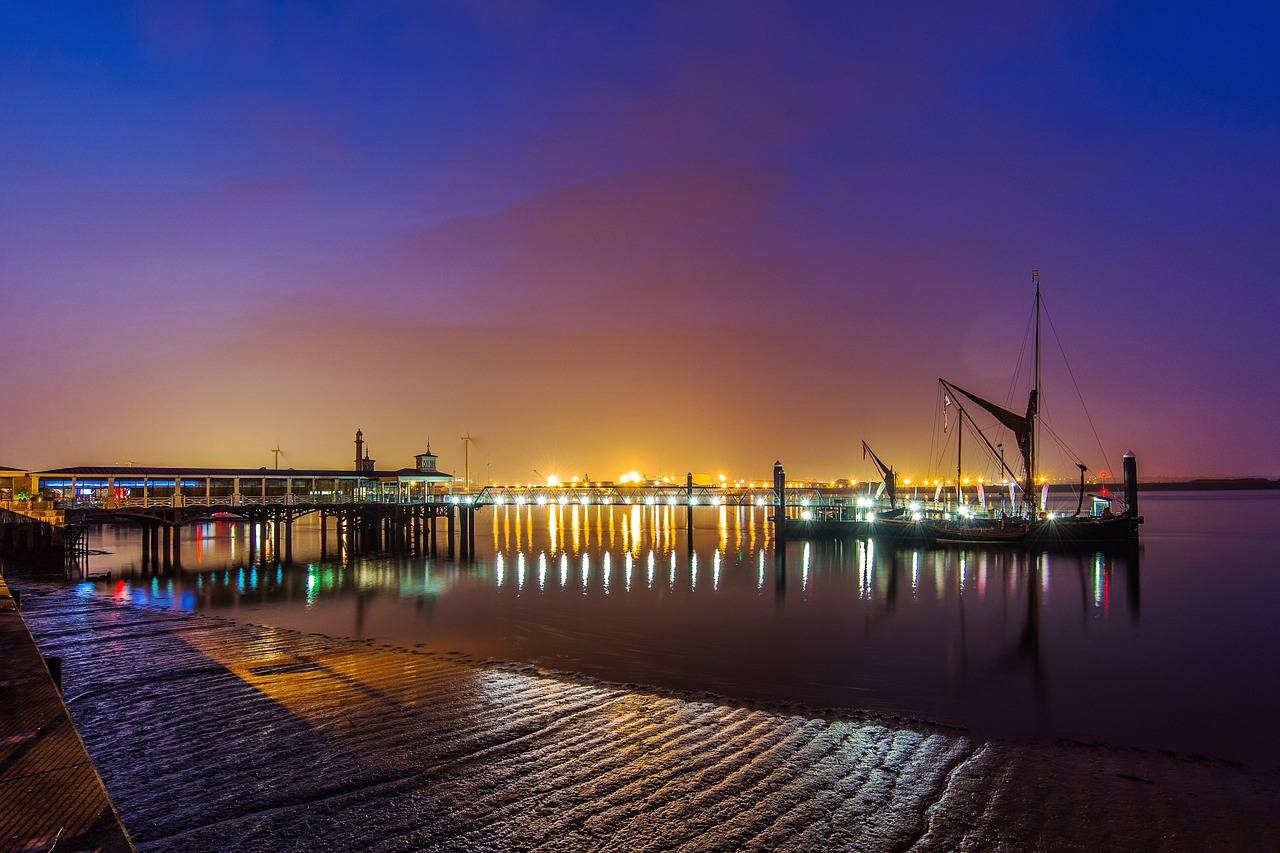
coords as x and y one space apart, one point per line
467 441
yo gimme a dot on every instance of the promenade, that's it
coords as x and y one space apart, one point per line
212 734
50 794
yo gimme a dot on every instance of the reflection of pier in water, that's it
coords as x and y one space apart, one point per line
978 615
599 548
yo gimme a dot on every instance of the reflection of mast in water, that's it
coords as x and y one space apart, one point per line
1027 650
891 588
779 573
1029 643
1084 588
964 642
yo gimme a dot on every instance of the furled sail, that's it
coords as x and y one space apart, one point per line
1019 425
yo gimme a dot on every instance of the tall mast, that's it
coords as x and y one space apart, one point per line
959 453
1035 402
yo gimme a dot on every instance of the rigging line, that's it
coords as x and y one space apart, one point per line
1064 453
943 451
1062 442
933 434
1022 351
1106 460
990 458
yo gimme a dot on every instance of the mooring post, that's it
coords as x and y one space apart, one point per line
688 509
1131 483
779 501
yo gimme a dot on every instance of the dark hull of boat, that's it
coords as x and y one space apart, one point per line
906 532
1083 531
1044 534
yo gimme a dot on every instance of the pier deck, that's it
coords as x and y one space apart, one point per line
213 734
50 793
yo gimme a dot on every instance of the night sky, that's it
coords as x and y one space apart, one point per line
671 237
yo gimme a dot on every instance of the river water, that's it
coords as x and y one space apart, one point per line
1171 646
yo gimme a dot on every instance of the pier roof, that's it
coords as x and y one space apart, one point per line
141 470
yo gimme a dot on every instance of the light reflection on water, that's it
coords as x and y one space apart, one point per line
1145 648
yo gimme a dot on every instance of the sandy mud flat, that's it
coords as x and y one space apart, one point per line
212 734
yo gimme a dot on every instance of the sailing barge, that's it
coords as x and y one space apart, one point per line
1031 525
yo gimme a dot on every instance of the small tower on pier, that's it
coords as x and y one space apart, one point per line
363 462
427 461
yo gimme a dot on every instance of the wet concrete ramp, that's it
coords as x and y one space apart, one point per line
216 735
50 794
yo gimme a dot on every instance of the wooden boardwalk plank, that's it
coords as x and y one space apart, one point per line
49 790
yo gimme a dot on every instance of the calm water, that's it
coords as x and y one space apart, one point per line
1174 647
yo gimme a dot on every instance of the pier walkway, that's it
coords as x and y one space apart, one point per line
242 736
50 794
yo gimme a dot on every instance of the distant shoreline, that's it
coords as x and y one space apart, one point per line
1211 485
1202 484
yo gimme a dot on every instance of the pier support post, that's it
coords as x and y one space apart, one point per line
449 523
779 502
166 545
277 535
177 545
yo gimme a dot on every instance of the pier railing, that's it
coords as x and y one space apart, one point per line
820 503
